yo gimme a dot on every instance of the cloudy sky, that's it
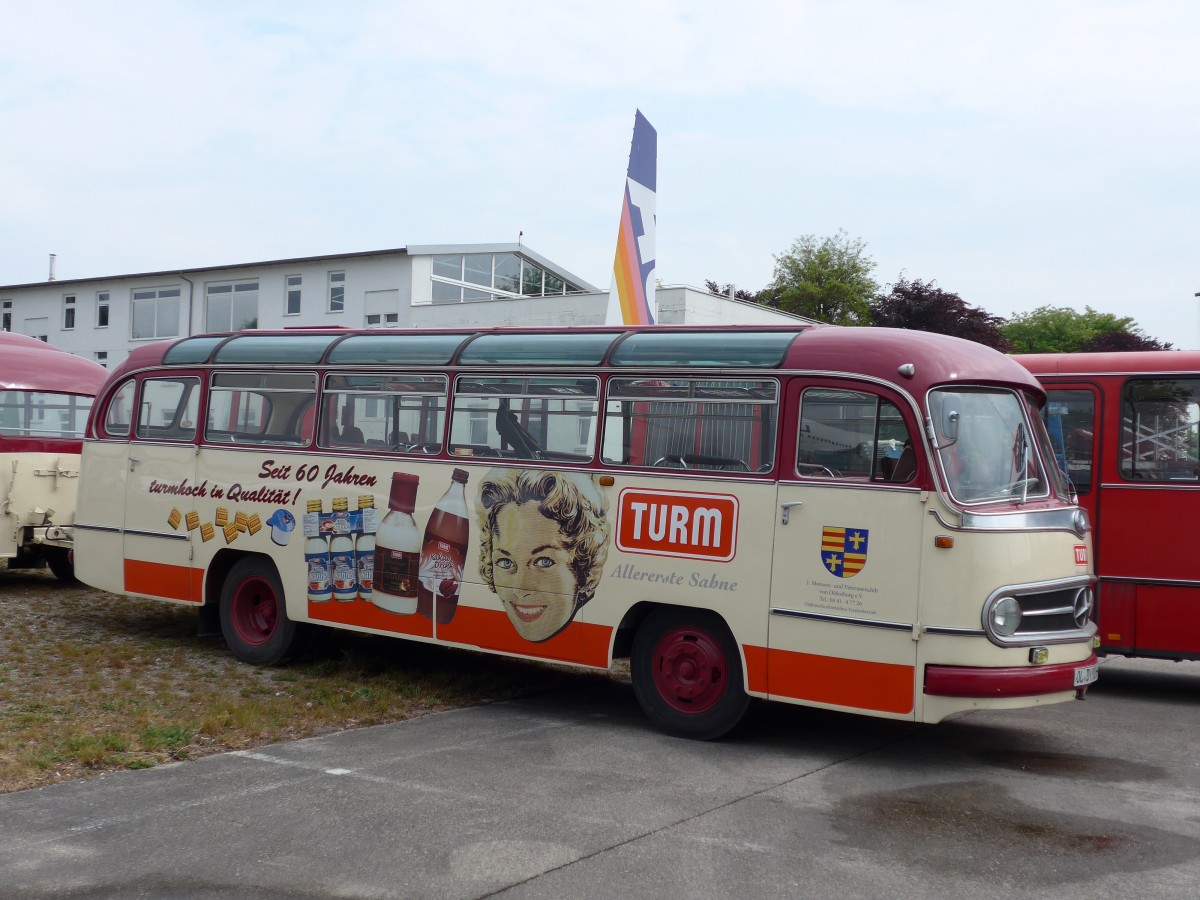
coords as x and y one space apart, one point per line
1017 153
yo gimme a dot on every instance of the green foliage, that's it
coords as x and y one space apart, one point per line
827 279
1060 329
165 737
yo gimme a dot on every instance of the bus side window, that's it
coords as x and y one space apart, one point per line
167 411
261 408
520 417
118 419
1160 428
43 414
853 435
1070 417
402 414
706 424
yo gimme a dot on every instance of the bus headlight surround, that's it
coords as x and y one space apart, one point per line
1005 616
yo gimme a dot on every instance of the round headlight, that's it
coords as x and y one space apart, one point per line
1084 601
1006 616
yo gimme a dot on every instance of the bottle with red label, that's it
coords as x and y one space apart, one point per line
443 551
398 549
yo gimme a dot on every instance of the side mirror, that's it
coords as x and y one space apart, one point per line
950 424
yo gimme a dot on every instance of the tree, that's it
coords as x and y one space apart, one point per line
922 306
827 279
1107 341
723 291
1060 329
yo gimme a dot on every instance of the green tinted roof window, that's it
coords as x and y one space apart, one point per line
665 347
538 349
275 348
397 349
190 351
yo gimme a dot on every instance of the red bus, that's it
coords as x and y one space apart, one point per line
45 397
1125 428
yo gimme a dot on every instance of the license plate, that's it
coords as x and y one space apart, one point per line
1085 675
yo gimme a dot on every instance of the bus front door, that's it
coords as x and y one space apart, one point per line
164 506
846 557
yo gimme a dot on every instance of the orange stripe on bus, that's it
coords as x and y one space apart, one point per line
487 629
163 580
365 614
490 629
784 674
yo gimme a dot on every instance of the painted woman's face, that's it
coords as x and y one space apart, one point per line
531 571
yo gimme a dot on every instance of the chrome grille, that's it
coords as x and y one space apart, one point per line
1053 613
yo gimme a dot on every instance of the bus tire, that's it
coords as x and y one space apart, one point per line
254 619
687 673
59 561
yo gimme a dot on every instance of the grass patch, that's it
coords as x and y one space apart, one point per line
93 682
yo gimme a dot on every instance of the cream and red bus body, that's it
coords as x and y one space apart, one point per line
39 460
902 635
911 643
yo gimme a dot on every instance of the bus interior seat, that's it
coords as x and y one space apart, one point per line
906 465
352 435
514 433
307 421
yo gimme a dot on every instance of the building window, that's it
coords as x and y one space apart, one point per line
383 320
6 315
232 306
68 312
337 292
102 357
156 313
293 295
461 278
102 309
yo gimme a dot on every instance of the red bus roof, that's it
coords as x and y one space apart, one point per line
879 352
1127 362
27 364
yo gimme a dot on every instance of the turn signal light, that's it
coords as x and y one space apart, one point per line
1039 655
943 541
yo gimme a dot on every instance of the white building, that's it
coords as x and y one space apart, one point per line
429 286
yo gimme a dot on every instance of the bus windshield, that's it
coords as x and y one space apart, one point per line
987 446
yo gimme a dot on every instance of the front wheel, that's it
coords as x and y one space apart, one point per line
687 673
254 618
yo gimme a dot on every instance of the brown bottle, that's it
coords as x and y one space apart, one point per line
443 552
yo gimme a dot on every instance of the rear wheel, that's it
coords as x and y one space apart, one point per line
687 673
59 561
254 618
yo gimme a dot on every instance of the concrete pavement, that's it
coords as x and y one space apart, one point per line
575 795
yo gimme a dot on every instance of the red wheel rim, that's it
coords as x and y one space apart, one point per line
255 611
689 670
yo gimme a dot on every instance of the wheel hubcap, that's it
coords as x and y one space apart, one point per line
689 670
255 611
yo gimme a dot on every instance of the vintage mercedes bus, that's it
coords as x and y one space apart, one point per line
1126 430
858 519
45 397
